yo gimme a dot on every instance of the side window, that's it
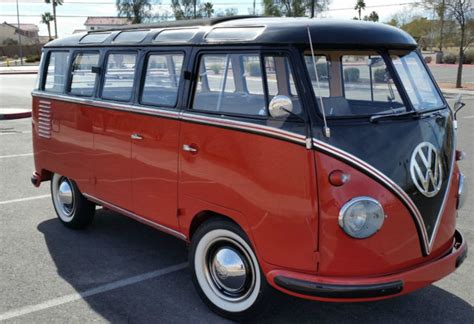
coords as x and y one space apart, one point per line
234 83
322 68
119 76
56 72
366 78
280 80
83 80
163 73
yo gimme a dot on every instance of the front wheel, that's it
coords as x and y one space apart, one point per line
72 208
226 272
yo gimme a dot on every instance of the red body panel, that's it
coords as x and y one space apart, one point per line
269 181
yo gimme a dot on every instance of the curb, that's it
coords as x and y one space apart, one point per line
18 72
14 114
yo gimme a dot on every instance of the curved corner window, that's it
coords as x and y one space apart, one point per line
94 38
234 34
56 71
175 35
416 81
119 76
134 36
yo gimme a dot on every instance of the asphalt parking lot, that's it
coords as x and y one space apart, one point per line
121 271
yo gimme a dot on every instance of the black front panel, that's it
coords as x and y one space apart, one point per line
388 146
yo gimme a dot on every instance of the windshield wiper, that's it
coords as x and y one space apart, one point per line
375 118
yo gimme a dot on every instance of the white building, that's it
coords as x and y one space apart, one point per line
101 23
9 34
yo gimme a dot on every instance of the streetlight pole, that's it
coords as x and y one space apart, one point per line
19 33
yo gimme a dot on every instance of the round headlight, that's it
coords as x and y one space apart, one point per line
361 217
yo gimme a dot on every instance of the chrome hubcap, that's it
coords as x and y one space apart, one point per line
229 270
65 196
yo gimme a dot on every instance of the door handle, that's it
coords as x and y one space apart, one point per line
189 148
136 136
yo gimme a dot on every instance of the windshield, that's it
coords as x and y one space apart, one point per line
416 81
359 83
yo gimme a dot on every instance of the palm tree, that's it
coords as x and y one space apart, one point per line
135 10
360 5
47 18
208 9
55 3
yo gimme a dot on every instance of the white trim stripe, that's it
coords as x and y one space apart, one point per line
91 292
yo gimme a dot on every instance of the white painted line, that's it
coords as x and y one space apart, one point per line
91 292
15 132
15 155
23 199
468 117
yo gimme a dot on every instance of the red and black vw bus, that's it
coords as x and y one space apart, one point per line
316 157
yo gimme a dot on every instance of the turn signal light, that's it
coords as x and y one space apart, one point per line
338 178
460 155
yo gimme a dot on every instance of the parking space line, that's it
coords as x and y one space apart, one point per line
469 117
15 132
91 292
15 155
23 199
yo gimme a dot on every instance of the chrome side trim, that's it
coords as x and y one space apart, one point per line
297 138
345 156
136 217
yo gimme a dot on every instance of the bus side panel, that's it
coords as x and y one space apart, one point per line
68 150
269 181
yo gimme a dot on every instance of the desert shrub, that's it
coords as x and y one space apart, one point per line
469 57
216 68
32 58
322 69
450 58
428 59
254 69
379 75
351 75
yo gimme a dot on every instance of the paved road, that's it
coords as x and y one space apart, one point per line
43 266
447 73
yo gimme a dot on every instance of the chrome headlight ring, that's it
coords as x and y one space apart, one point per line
361 217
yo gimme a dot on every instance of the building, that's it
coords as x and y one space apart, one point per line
9 34
101 23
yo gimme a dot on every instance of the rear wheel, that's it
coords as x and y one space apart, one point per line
226 272
72 208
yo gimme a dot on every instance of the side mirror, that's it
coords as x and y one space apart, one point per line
280 107
458 104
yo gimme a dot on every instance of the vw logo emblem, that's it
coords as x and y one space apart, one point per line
426 170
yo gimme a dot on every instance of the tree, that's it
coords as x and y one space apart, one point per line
185 9
136 10
360 5
439 7
47 18
55 3
462 11
373 16
208 9
293 8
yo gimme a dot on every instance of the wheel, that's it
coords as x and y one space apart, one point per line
226 273
72 208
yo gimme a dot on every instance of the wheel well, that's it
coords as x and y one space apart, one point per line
206 216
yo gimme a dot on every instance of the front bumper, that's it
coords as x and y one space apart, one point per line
364 289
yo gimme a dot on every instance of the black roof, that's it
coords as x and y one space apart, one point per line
263 30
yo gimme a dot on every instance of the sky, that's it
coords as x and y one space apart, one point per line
73 13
